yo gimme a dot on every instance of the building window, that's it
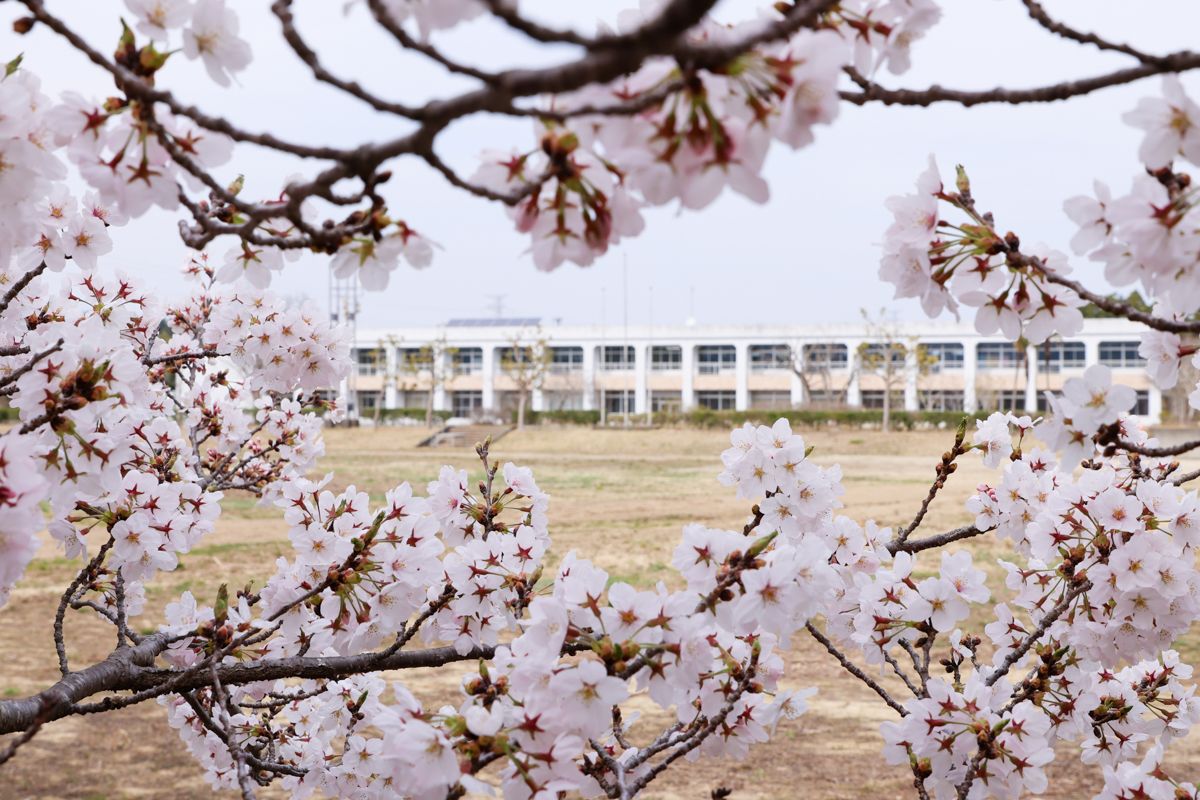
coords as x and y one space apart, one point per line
1142 407
1003 400
614 357
997 355
826 398
895 352
825 356
566 359
668 402
941 356
1057 356
712 359
467 360
562 401
369 401
619 402
770 399
940 400
509 358
717 401
1122 354
873 398
765 357
414 359
370 360
466 404
666 357
413 399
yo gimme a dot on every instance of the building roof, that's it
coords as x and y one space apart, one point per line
494 322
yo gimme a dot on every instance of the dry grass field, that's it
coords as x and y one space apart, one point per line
618 497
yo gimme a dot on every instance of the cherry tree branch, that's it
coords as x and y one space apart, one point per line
1159 452
871 92
853 669
938 540
1018 652
282 9
944 469
1112 305
1042 18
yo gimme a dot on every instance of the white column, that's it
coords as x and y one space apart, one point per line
742 376
798 397
537 401
1155 415
853 395
1091 351
343 394
589 378
489 378
1031 390
688 370
911 370
389 378
439 398
970 399
641 373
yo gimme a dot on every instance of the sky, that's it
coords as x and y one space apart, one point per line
809 255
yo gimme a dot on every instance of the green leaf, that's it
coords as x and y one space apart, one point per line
221 607
14 65
151 59
961 181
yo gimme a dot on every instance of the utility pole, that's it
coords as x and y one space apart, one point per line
650 355
343 310
601 368
496 304
625 322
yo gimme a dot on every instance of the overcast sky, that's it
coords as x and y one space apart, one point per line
809 255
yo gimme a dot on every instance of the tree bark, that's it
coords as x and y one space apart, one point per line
887 407
128 669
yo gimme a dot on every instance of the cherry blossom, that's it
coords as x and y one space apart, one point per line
137 415
212 36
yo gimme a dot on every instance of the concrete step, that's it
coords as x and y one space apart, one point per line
465 435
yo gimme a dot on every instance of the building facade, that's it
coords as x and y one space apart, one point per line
639 369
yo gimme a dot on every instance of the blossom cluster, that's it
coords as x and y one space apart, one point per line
1101 576
679 133
465 567
135 418
131 413
700 131
947 264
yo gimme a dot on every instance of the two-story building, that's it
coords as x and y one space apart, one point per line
945 367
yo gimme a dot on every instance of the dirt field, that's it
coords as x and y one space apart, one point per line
618 497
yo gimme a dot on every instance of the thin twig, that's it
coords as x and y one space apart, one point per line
853 669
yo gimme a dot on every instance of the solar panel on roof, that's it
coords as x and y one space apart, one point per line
493 322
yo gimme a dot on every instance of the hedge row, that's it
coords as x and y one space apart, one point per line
405 413
799 418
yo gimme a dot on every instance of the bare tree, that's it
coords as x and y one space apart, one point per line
887 354
379 358
525 361
427 366
813 364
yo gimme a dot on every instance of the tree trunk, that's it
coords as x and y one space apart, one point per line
521 410
429 409
887 408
